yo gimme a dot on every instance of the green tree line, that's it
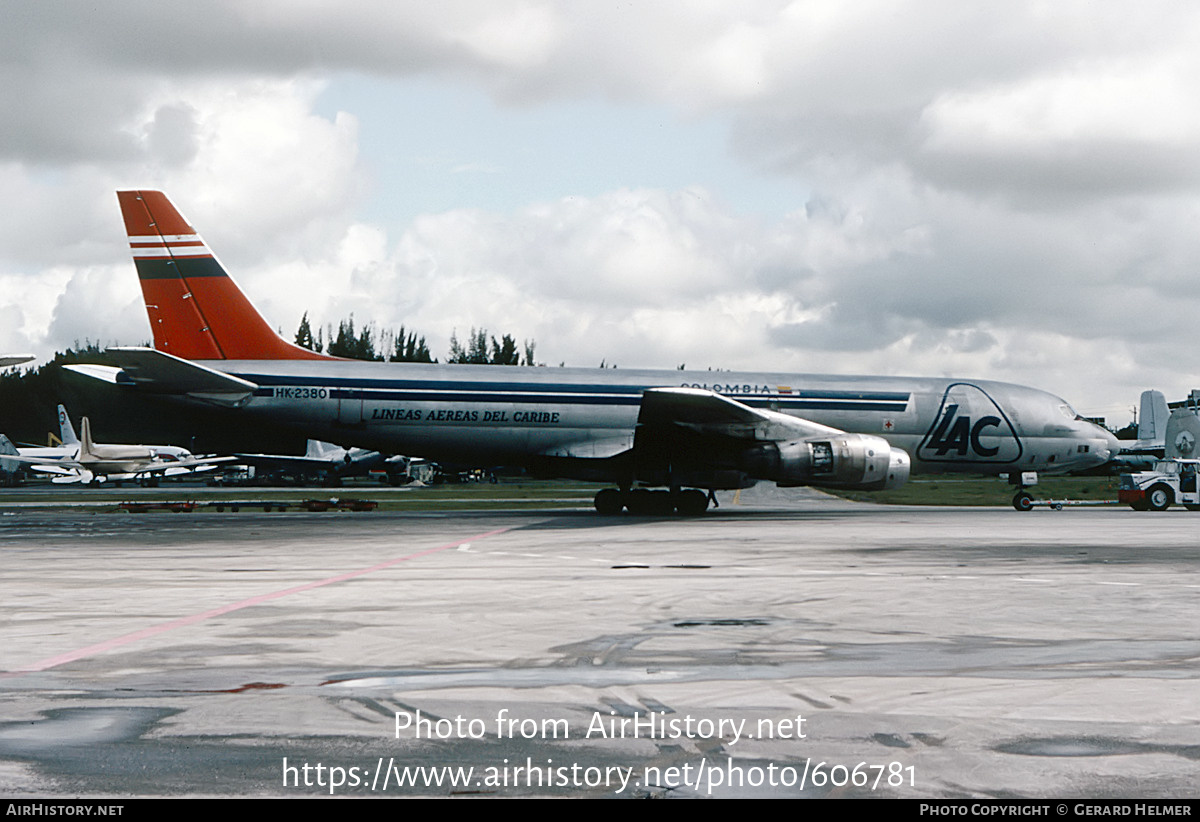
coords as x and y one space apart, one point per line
402 345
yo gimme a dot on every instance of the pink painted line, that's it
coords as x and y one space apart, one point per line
101 647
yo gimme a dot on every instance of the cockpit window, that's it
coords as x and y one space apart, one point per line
1069 412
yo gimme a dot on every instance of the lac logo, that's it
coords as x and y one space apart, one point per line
970 427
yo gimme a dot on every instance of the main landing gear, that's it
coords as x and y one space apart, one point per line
691 502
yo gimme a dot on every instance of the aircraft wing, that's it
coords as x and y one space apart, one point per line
179 466
706 412
71 477
71 466
49 465
283 461
358 464
667 411
700 412
695 436
162 373
70 469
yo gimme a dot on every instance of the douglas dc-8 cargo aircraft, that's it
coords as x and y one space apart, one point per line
690 433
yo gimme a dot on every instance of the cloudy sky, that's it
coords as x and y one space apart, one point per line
1007 190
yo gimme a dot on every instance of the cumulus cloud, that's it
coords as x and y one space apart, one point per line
249 160
1006 190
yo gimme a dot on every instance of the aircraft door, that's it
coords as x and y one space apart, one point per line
350 408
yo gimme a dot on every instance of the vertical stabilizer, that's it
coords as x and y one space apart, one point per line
8 467
196 310
6 447
1153 416
66 431
87 448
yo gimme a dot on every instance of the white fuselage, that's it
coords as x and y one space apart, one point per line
512 415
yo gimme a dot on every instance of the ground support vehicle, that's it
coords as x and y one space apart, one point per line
1171 481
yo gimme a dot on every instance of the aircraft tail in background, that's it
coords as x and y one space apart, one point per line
66 431
87 448
1152 417
197 311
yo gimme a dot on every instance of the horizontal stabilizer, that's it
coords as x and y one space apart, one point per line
46 468
82 477
707 412
159 373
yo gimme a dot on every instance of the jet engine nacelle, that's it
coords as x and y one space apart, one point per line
841 461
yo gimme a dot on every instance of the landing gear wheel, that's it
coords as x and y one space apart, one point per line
662 504
1023 501
1159 498
643 502
609 501
639 502
691 503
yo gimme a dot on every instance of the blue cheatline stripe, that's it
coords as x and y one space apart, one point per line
522 397
482 396
440 389
582 399
893 396
161 268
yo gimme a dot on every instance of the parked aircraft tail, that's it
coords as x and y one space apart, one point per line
66 431
8 467
317 450
87 448
1153 416
197 311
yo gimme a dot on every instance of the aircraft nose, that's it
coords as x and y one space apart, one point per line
1114 444
1111 443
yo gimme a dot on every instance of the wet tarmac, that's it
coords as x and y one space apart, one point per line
791 645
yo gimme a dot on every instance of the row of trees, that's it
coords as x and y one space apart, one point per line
406 346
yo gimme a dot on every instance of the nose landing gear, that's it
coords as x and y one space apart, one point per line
1023 500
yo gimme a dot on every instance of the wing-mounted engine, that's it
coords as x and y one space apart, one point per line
842 461
678 424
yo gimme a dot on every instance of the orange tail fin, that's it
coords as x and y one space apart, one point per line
196 310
